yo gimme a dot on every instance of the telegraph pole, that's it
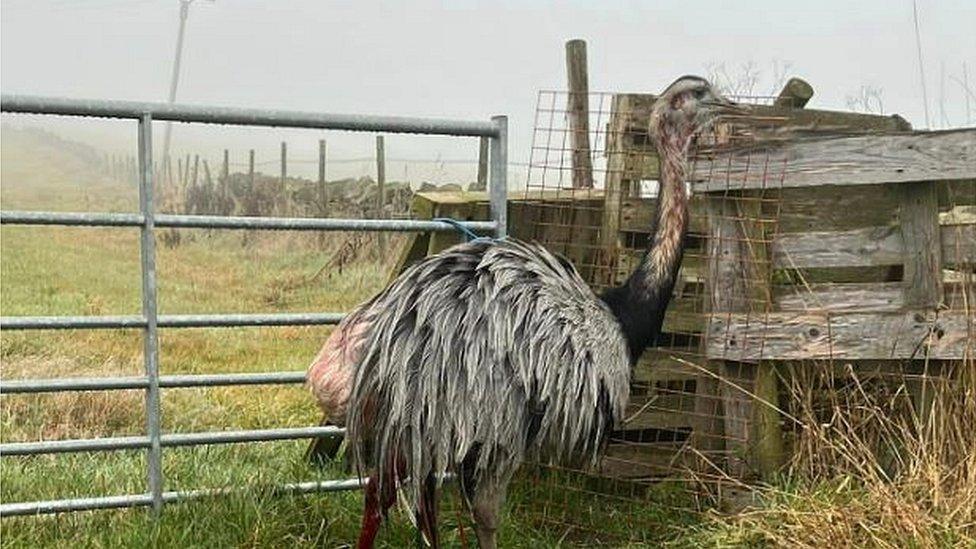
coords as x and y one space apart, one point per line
175 79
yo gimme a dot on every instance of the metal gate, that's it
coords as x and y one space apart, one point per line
150 322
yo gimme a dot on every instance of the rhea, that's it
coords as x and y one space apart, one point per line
494 352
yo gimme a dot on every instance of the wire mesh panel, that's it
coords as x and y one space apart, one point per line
790 308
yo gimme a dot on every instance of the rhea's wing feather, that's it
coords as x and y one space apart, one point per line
500 347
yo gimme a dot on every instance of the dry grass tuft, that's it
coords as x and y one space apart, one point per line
881 459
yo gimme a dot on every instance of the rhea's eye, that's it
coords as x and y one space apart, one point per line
700 93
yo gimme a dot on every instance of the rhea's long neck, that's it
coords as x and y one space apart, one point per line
660 262
639 304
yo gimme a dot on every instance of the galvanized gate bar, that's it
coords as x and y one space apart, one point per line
75 504
73 445
229 321
255 435
70 219
84 219
56 385
167 440
168 321
70 322
147 253
100 108
143 500
314 224
216 380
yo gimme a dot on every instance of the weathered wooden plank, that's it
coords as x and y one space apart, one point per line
414 250
866 247
863 247
959 215
861 160
665 363
641 165
958 244
840 275
826 336
779 121
659 404
815 209
765 441
875 296
715 419
593 197
919 215
957 193
636 214
440 241
692 266
657 415
614 183
648 460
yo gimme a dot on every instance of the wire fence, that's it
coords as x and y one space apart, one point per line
783 317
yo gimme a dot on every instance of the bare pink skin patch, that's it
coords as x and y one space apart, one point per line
331 375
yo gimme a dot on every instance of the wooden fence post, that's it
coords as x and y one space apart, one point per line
280 199
186 171
178 188
613 192
579 114
323 192
206 197
765 434
381 192
224 194
922 277
796 94
738 282
250 200
482 182
323 188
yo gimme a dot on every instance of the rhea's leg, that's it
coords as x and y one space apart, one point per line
375 510
324 449
486 504
371 515
426 514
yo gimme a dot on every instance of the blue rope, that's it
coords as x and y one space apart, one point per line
470 236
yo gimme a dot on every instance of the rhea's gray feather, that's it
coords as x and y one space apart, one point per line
498 347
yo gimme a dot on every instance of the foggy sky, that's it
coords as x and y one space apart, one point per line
459 60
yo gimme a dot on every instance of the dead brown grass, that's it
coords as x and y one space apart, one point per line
880 460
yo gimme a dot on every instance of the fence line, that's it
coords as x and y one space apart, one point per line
150 321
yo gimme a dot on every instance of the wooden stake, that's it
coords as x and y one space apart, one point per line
381 191
482 183
579 113
796 94
280 199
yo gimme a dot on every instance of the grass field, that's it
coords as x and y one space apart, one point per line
56 271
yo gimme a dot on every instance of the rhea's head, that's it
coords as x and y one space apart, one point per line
688 106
